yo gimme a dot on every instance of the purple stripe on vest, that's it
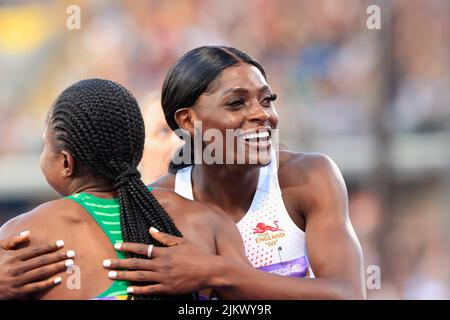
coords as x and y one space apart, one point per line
293 268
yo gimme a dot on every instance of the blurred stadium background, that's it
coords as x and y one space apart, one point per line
376 101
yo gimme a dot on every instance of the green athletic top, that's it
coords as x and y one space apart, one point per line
106 212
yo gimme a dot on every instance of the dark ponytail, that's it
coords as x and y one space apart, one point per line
100 124
194 74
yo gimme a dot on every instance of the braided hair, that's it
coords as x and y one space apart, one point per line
99 122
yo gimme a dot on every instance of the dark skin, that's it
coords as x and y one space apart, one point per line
313 192
198 223
28 270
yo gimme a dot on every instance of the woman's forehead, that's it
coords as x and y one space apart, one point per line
241 76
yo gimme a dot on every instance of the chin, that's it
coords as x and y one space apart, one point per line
260 157
251 159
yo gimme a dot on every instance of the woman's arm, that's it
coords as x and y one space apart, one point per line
226 239
333 251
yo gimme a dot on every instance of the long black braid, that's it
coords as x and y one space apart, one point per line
99 122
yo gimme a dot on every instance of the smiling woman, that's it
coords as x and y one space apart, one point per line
93 141
292 213
196 82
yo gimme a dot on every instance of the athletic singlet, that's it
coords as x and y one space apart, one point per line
273 242
106 213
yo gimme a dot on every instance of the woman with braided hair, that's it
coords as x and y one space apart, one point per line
93 142
291 208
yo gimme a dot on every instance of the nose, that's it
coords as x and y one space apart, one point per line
259 113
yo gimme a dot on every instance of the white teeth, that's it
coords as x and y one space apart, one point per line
259 135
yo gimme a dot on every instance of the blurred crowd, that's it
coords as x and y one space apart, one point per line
334 78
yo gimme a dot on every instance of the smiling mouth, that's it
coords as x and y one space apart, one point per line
256 136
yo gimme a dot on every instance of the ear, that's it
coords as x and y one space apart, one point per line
68 165
185 119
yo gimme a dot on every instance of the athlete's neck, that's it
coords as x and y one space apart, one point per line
230 187
95 188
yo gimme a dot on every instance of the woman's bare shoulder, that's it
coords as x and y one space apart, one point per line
300 168
197 221
43 218
177 205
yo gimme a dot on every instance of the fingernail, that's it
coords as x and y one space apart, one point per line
118 245
130 290
154 230
60 243
68 263
57 280
107 263
24 233
112 274
70 254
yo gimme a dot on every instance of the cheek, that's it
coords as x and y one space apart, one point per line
48 167
223 121
43 161
212 115
274 117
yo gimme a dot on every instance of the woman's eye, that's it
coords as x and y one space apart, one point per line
234 102
270 98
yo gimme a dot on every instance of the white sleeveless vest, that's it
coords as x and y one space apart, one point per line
273 242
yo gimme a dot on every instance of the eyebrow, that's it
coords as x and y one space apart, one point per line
244 90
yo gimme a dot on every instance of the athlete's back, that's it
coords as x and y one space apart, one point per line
82 220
